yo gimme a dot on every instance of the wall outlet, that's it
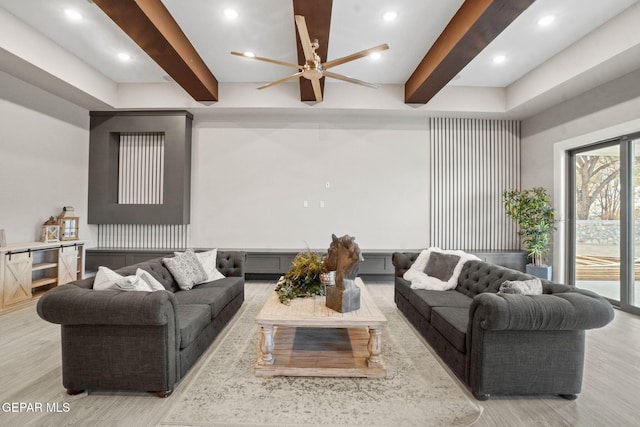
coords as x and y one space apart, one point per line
322 203
305 204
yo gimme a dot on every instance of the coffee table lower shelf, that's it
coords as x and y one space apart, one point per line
320 352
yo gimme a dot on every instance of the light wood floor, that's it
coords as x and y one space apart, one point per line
30 373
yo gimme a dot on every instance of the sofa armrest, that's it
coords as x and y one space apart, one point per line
402 261
71 305
565 311
231 263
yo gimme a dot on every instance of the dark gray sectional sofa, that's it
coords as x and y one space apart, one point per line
504 344
140 341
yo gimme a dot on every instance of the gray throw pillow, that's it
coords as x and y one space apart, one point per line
186 269
522 287
441 265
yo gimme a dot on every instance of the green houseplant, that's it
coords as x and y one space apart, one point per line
303 278
532 211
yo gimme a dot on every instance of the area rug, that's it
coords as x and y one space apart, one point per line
417 390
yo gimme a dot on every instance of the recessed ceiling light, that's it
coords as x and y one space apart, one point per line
375 56
122 56
499 59
546 21
390 15
231 14
73 15
249 54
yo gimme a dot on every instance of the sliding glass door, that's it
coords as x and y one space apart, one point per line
634 289
596 216
604 211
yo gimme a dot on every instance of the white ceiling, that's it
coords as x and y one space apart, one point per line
266 27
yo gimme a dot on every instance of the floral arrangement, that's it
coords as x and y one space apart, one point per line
303 278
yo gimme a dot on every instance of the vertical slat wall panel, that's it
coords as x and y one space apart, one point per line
472 162
141 181
158 236
141 168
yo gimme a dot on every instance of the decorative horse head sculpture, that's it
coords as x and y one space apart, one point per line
343 257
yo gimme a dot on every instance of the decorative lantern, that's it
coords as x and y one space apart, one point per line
69 224
50 231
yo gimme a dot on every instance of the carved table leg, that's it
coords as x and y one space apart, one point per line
375 348
266 346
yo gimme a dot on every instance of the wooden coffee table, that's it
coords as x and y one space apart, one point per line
306 338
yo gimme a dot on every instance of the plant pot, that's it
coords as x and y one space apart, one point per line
541 271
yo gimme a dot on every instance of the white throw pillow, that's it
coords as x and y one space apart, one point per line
153 283
209 261
141 281
105 279
132 283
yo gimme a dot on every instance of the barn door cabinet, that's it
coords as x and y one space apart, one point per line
29 269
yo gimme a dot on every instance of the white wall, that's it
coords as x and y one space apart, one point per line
44 152
609 111
252 173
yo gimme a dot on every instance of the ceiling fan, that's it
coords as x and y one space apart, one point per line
314 69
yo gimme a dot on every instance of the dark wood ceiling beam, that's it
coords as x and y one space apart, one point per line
317 13
151 26
471 29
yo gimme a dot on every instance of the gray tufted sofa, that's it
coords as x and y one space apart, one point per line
140 341
504 344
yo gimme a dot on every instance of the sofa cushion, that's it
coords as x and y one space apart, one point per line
216 294
192 319
424 300
452 323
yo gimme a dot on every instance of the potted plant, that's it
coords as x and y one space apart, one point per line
303 278
532 211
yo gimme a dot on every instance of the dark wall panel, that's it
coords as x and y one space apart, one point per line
103 167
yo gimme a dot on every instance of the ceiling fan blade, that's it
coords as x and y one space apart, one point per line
355 56
348 79
286 79
273 61
317 89
301 23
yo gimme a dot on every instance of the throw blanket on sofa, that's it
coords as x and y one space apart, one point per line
436 269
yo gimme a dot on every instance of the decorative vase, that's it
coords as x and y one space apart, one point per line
541 271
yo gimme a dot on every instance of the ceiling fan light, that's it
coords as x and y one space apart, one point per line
375 56
249 54
390 16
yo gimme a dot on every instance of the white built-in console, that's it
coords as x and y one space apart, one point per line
28 269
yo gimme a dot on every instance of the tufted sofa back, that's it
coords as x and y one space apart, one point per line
229 263
157 270
478 276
